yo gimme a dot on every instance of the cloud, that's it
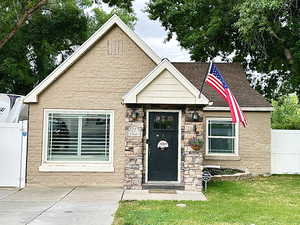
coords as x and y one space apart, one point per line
170 49
154 35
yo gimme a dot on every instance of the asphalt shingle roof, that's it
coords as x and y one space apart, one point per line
234 75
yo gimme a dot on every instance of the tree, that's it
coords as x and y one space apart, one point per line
43 42
29 8
264 35
286 114
21 10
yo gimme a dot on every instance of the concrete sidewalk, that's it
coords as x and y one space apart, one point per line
163 195
73 205
59 206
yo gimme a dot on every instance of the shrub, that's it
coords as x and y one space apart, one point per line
286 114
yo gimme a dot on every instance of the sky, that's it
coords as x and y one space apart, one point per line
154 35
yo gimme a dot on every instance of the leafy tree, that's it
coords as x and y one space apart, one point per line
46 38
286 114
16 12
100 16
264 35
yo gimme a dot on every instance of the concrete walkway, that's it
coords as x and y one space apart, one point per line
59 206
74 205
157 195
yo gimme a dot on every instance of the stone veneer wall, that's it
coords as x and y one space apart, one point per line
191 160
134 164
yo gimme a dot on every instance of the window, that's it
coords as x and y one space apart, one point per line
221 136
163 122
78 136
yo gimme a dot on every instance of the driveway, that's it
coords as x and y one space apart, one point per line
59 206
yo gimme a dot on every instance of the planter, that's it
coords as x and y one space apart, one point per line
196 147
228 174
232 177
196 143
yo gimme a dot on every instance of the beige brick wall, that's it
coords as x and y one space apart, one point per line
96 81
254 144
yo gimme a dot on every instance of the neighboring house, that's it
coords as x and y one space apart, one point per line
99 117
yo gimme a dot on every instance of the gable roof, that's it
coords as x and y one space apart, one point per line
236 78
131 96
114 20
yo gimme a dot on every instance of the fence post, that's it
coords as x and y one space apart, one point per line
23 125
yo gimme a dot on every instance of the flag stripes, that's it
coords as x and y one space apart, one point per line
215 79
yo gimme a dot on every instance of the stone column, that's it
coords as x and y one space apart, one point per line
134 148
192 159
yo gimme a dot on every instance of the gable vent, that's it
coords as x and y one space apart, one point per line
115 47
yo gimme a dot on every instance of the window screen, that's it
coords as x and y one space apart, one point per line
78 137
221 137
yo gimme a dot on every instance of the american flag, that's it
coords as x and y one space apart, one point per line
216 81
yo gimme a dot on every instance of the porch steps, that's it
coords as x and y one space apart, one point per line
163 186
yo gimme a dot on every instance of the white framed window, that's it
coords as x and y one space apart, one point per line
221 137
74 139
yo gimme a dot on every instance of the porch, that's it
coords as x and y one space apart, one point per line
174 164
163 112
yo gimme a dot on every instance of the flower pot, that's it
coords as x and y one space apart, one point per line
196 147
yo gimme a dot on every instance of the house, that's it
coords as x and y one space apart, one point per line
115 113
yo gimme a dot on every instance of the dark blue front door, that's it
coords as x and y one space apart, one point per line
163 146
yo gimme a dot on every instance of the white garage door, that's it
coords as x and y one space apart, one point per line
13 141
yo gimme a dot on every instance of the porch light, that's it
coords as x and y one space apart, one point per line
195 116
134 115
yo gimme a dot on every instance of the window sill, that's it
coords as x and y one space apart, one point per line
223 157
60 167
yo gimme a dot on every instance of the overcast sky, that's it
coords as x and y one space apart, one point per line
154 35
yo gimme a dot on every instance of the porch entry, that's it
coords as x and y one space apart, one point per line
163 146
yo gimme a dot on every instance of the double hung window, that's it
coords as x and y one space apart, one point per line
221 136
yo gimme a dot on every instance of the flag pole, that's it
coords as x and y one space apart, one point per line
202 85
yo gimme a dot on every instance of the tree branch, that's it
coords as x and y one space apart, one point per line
287 51
21 21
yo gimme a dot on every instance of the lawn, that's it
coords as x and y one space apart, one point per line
261 201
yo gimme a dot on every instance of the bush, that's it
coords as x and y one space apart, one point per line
286 114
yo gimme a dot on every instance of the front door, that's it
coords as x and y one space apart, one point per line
163 146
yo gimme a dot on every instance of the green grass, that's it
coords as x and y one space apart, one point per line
271 200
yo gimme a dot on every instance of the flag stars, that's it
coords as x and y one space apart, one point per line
217 74
217 81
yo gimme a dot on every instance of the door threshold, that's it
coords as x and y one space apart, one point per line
162 182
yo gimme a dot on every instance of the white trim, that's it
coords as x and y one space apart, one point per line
100 166
249 109
114 20
236 138
50 167
179 146
212 166
131 96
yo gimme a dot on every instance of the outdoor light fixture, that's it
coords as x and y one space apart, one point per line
134 115
195 116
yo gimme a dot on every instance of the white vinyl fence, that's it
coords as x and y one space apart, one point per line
13 144
285 151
